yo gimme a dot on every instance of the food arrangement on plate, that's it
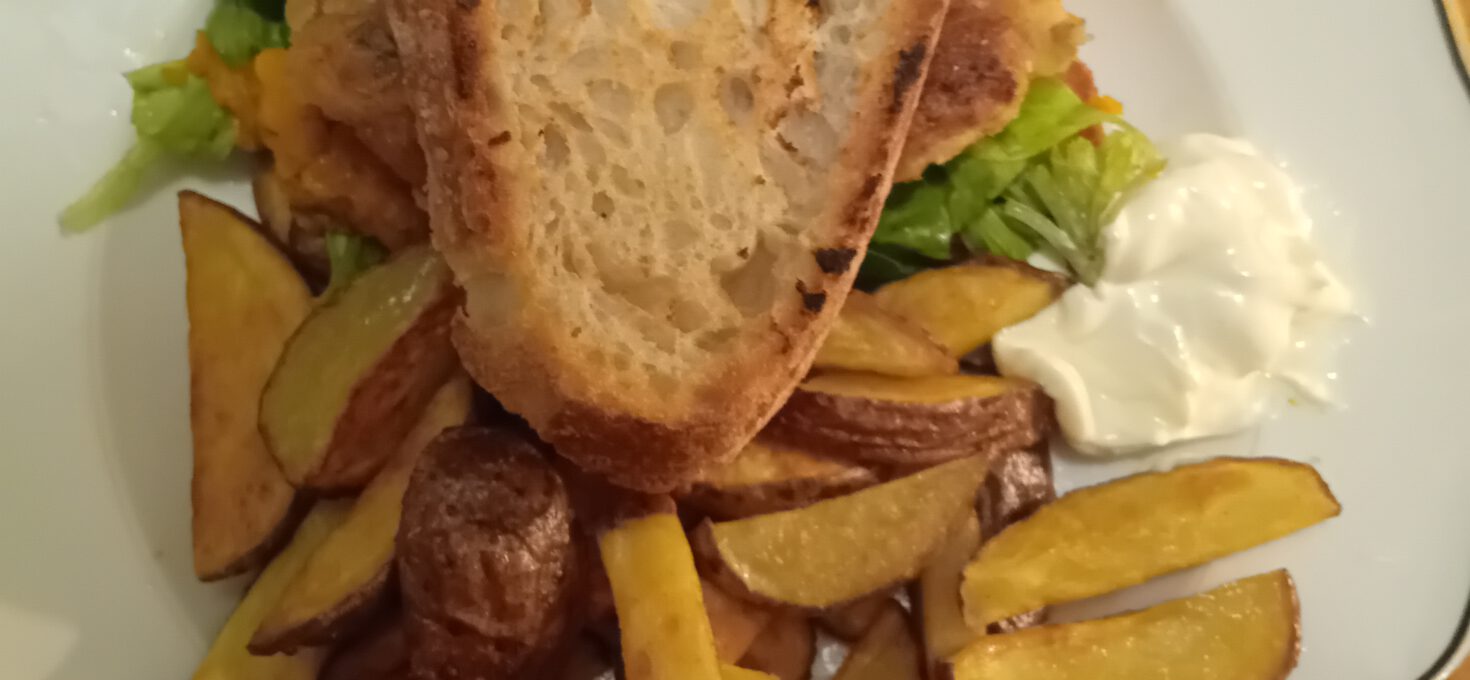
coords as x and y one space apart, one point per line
682 339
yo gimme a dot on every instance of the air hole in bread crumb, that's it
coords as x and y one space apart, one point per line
674 104
571 116
624 183
680 234
684 55
602 204
751 287
738 99
720 222
843 34
611 97
555 150
715 340
688 316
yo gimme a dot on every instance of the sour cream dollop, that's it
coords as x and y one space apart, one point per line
1212 299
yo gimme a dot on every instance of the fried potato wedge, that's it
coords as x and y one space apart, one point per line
872 339
851 620
936 594
888 651
379 653
911 422
489 562
244 302
1247 630
1105 538
767 478
346 580
963 307
666 633
356 376
841 549
785 649
736 622
228 659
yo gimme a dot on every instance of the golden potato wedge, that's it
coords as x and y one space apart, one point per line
666 633
1125 532
767 478
911 422
850 621
887 651
228 659
936 594
1246 630
356 376
730 672
841 549
735 622
963 307
785 649
346 580
869 338
489 562
379 653
244 302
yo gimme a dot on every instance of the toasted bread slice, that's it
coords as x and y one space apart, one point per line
656 207
983 66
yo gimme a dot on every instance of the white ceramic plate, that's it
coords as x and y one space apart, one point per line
1359 96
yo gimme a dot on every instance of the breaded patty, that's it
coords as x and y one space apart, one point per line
988 52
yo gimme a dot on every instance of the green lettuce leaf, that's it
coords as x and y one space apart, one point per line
1077 189
173 113
1037 184
240 29
958 198
350 255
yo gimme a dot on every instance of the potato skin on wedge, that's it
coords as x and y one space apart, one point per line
1246 630
1108 537
244 301
488 561
766 478
356 375
347 579
911 422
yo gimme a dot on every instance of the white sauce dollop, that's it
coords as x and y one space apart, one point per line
1212 298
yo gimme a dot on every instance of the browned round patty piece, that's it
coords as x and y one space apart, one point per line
487 556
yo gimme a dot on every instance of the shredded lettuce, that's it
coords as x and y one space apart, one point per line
1037 184
1069 197
350 255
173 113
240 29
